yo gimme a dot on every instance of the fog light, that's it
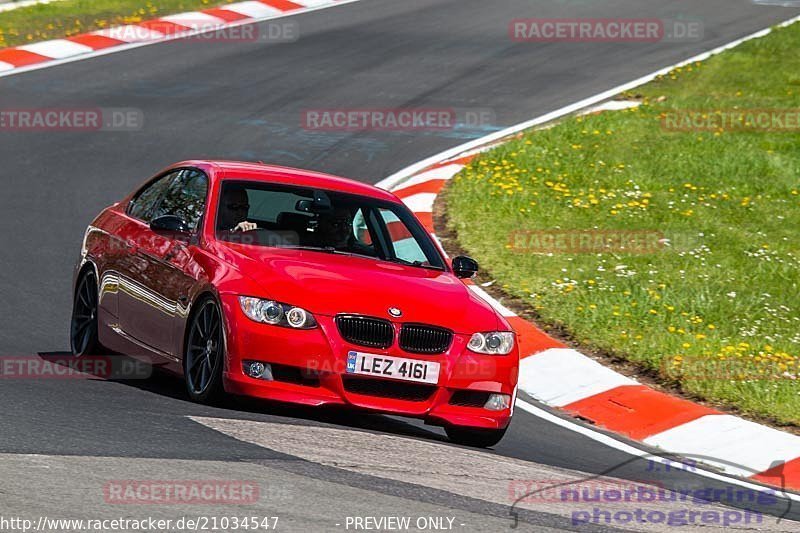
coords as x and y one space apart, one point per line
258 370
498 402
255 370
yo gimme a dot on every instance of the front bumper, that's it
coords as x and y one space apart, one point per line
312 370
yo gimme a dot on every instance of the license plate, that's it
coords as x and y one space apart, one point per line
393 367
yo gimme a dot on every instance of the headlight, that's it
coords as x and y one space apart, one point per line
492 342
276 313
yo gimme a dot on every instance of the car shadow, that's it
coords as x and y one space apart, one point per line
159 382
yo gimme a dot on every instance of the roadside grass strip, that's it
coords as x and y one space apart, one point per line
666 233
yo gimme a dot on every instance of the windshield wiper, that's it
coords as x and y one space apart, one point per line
419 264
327 250
332 250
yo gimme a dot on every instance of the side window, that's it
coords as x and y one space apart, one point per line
147 199
404 245
185 198
360 229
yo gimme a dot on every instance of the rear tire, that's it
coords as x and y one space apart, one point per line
83 334
473 437
204 354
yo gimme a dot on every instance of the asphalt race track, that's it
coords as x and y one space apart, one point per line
244 100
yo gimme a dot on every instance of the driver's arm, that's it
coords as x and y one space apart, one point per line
245 226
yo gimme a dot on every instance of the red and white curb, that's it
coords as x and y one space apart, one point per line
169 27
563 378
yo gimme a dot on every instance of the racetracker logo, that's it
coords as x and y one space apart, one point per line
96 119
467 368
395 119
177 492
379 119
732 120
109 367
202 30
586 241
590 30
733 363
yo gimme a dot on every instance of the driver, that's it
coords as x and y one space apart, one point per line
336 231
234 207
336 228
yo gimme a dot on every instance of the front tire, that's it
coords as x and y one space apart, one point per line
475 438
204 353
83 336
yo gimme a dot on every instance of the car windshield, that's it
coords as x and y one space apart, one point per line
285 216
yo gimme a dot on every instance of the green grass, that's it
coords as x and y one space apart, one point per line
65 18
717 310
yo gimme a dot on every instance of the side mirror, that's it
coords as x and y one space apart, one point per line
170 226
465 267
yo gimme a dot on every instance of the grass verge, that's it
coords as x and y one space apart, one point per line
668 234
66 18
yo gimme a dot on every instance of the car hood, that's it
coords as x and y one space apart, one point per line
330 284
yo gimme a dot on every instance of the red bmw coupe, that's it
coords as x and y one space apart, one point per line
294 286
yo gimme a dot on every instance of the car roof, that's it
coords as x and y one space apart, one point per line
263 173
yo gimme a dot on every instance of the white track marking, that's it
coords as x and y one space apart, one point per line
544 377
195 20
738 441
252 9
312 3
440 173
130 34
57 48
421 202
612 105
5 66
